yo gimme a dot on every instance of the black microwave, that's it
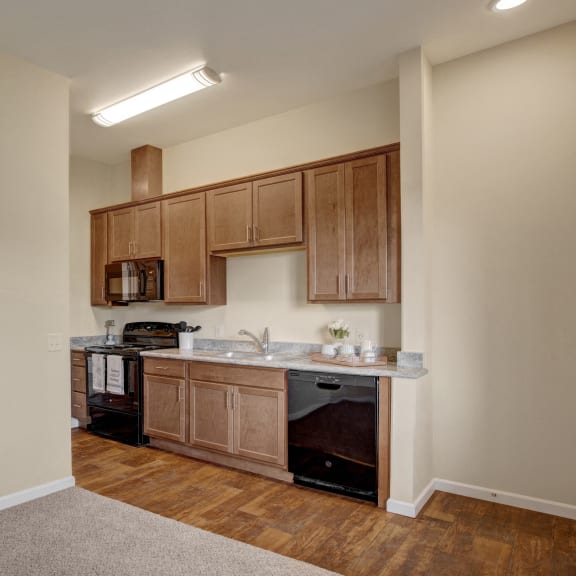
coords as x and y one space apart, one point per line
135 281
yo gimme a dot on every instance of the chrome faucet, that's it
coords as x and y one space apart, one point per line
262 344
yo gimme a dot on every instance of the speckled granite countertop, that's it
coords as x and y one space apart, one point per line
289 355
288 362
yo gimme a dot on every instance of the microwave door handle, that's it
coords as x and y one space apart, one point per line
142 282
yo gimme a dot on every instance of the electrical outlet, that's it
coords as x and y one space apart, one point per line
54 342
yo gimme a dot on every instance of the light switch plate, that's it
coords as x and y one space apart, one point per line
54 342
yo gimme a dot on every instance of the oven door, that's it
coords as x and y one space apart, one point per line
124 395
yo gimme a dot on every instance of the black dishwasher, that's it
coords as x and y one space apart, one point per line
332 432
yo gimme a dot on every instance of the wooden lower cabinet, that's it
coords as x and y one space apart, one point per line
78 388
241 420
231 410
211 417
259 424
164 407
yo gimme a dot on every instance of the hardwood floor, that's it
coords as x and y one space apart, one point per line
453 536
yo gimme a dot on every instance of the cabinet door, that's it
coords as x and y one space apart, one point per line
120 226
229 215
277 210
326 233
98 258
164 408
211 424
147 240
185 248
366 229
260 424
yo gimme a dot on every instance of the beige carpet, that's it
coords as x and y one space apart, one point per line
78 533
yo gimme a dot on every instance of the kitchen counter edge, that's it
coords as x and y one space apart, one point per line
296 363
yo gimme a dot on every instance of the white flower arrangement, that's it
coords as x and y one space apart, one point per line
339 329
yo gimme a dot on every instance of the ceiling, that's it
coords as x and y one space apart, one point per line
273 56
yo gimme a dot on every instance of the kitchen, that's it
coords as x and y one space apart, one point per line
472 300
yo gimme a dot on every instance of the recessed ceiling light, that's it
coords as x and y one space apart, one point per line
161 94
501 5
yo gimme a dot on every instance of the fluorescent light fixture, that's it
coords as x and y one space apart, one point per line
173 89
501 5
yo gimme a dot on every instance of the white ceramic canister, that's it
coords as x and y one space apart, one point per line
186 341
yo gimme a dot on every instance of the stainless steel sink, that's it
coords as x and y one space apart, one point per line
232 354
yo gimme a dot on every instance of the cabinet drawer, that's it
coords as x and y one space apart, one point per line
78 359
79 379
165 367
273 378
78 405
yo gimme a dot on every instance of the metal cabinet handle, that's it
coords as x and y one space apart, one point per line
161 367
347 283
201 289
235 396
179 393
247 233
256 234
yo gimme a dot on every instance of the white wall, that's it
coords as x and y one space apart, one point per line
352 121
270 289
411 426
503 309
35 383
90 187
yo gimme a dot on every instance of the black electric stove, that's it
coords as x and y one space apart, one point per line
115 382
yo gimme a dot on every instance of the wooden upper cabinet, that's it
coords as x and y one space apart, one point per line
366 233
147 231
326 233
229 215
135 232
354 231
262 213
98 258
189 275
120 233
277 210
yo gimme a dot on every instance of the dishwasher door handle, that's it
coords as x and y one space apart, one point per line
328 386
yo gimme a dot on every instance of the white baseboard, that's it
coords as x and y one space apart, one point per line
412 509
36 492
508 498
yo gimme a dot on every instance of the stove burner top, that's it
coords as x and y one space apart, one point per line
140 336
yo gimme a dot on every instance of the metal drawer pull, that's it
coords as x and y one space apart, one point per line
161 368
